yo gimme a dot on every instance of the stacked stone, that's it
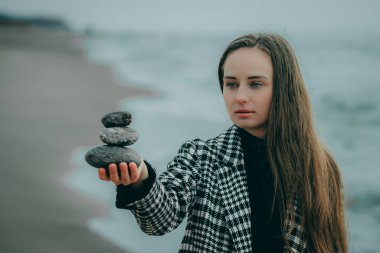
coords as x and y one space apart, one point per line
116 136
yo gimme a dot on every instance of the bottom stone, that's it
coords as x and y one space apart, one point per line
102 156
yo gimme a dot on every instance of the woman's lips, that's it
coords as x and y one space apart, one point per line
244 113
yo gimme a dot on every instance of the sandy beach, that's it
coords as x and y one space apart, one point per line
51 101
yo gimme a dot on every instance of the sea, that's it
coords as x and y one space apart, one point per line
342 75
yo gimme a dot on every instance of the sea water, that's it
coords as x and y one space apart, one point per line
342 75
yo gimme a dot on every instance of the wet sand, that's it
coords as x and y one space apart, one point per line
51 101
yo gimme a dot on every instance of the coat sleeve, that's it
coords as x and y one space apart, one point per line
166 204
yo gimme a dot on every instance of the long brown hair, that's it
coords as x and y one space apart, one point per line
303 169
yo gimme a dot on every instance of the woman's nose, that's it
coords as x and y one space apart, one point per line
241 96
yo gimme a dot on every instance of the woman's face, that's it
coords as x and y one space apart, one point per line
247 89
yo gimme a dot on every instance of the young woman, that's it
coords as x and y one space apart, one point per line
266 184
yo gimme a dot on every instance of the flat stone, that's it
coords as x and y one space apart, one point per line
117 119
102 156
119 136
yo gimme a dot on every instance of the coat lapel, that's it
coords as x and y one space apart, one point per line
233 188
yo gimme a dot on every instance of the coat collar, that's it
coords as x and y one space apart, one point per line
230 150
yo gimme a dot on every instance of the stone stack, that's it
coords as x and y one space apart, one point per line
116 136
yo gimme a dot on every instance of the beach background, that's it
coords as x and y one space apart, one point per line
59 75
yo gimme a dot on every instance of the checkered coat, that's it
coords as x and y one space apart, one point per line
207 183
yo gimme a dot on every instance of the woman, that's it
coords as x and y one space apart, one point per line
266 184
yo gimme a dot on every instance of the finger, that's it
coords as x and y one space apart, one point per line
114 177
125 179
134 171
103 174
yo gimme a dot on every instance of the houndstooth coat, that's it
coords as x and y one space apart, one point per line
206 181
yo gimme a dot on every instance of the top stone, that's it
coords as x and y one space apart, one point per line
117 119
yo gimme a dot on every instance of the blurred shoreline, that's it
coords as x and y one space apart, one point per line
51 102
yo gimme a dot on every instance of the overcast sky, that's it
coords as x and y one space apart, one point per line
206 15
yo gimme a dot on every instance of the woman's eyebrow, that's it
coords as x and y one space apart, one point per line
250 77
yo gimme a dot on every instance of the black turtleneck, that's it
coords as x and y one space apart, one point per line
266 228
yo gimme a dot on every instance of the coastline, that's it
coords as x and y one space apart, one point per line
51 102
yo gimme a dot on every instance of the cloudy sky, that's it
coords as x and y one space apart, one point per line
206 15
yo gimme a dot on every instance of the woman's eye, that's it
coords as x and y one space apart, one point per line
256 85
231 85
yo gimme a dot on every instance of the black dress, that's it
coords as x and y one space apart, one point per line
266 226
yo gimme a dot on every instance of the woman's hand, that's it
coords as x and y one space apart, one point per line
129 173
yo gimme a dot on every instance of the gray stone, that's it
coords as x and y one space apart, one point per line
119 136
102 156
117 119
